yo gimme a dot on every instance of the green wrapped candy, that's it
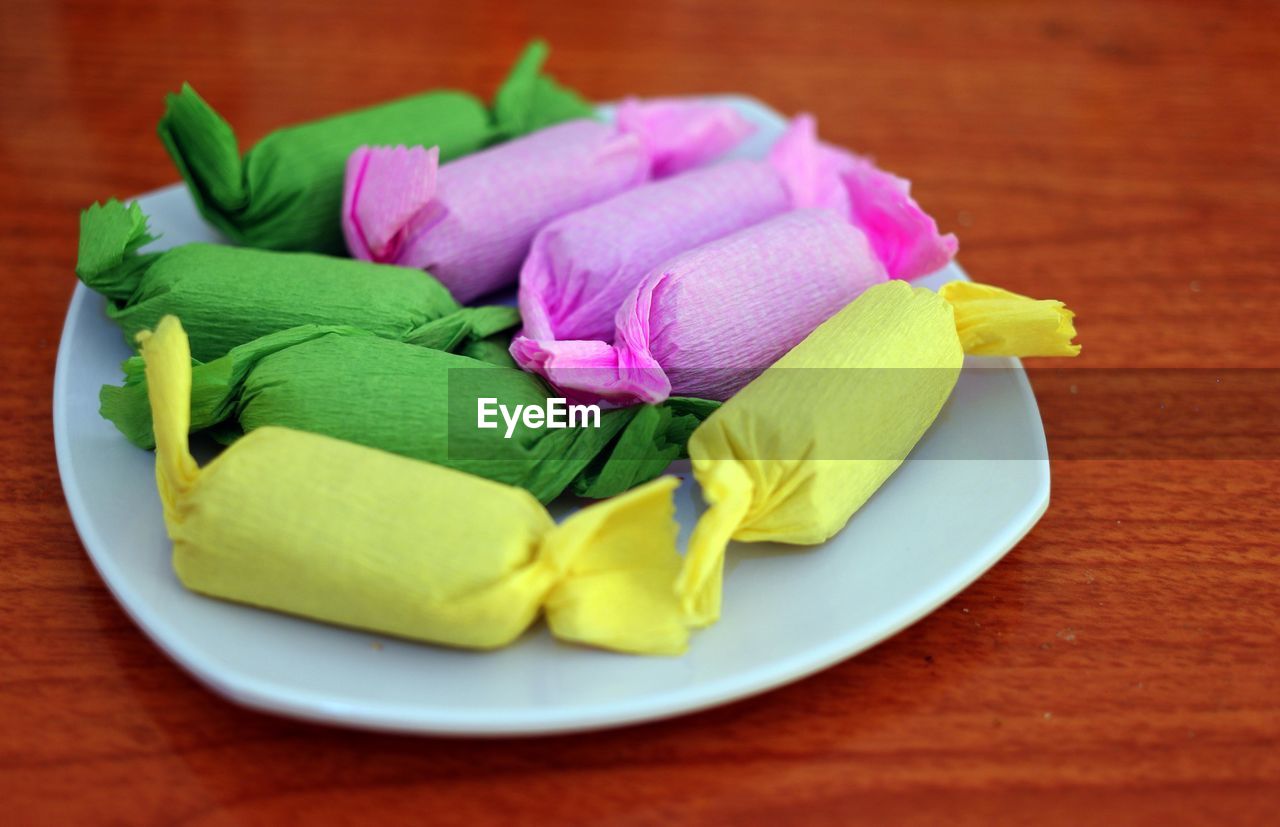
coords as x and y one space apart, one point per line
227 296
286 192
417 402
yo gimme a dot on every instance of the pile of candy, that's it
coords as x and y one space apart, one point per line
754 316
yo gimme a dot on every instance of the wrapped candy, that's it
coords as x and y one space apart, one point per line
470 222
870 381
709 320
420 403
330 530
285 192
228 296
581 266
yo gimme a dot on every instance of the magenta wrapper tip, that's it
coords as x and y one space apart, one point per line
388 190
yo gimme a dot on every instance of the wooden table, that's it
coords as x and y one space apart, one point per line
1119 666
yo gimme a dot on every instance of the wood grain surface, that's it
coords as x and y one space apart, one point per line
1119 666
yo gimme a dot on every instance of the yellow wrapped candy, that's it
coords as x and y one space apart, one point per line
330 530
796 452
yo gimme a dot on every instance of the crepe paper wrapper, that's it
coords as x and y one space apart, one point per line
582 266
227 296
996 322
904 236
286 191
416 402
334 531
791 457
470 222
709 320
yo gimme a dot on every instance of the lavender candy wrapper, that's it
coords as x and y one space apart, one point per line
713 318
470 222
581 266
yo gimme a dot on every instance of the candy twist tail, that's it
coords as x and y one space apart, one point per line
388 195
466 324
168 366
529 99
656 436
995 322
729 490
679 135
616 561
213 388
905 237
108 259
204 149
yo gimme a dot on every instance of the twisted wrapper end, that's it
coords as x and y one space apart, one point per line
592 371
728 492
904 236
167 355
530 99
205 151
811 170
682 134
617 560
995 322
388 196
108 261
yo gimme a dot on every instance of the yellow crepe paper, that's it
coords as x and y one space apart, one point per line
330 530
794 454
995 322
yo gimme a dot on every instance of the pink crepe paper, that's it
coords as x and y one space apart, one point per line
472 229
704 323
711 319
905 237
582 265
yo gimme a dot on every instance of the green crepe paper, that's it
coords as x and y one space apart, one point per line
286 192
227 296
496 350
414 401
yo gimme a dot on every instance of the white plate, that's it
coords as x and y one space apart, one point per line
933 529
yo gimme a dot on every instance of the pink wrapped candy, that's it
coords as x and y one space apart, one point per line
709 320
471 221
582 265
